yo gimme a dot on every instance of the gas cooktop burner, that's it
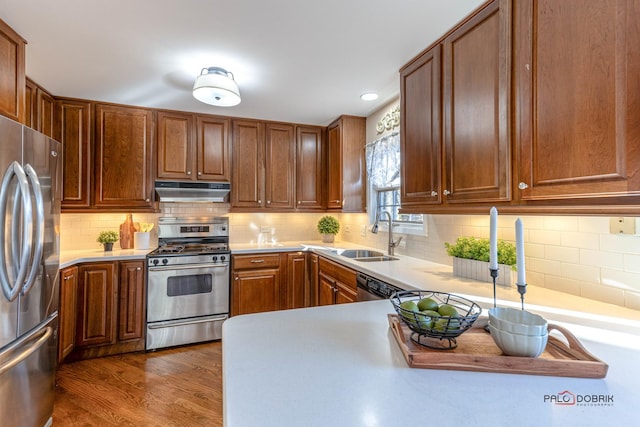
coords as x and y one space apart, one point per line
190 248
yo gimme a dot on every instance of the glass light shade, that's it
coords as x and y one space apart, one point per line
216 86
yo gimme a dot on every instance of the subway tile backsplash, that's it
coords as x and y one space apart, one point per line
576 255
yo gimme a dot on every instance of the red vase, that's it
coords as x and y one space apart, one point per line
126 233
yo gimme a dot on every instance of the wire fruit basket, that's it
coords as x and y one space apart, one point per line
429 328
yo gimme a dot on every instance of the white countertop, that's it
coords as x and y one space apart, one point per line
68 258
340 366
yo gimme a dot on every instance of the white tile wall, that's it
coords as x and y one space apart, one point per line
576 255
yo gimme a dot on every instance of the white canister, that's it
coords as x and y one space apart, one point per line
141 240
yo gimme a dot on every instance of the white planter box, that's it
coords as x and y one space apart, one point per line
479 270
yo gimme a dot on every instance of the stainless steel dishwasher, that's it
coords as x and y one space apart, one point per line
370 288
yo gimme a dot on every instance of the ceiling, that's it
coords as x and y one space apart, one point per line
300 61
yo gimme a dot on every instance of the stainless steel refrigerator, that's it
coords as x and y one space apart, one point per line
30 165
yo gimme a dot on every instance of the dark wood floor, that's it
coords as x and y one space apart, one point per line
174 387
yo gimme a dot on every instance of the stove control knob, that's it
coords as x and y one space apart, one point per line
155 261
222 258
215 258
165 261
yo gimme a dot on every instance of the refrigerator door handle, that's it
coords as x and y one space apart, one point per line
11 291
35 340
38 235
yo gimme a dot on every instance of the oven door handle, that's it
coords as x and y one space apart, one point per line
173 323
187 267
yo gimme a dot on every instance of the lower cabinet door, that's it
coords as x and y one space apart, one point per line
256 291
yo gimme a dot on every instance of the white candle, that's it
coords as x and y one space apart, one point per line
520 253
493 239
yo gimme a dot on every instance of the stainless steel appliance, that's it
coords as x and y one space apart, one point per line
190 192
370 288
29 261
188 281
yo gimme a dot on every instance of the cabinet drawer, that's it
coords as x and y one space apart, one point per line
343 274
245 262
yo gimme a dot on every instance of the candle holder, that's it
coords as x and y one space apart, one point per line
522 289
494 276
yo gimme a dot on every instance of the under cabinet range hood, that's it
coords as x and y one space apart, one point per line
192 192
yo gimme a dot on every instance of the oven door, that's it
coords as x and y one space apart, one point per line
178 292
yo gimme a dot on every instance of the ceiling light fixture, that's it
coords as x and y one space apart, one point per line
369 96
216 86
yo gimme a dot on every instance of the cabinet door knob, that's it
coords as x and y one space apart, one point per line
147 200
446 192
268 202
188 172
434 193
259 200
199 173
298 201
523 186
138 269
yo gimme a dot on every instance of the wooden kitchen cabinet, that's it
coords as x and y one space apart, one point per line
123 167
313 271
39 109
297 289
264 166
67 310
476 64
309 168
257 284
577 102
280 160
192 147
73 130
346 164
336 283
132 301
420 130
97 301
247 172
12 74
110 309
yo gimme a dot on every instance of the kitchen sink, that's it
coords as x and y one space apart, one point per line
366 255
360 253
376 258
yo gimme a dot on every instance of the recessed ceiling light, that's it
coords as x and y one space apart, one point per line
369 96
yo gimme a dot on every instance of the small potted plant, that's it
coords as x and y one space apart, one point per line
107 239
471 260
328 226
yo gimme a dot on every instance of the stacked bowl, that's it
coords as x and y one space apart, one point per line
518 332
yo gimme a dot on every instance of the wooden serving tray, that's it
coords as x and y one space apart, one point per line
476 351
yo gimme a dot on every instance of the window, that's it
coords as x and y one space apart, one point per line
383 176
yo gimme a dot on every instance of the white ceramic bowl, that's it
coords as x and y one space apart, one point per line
517 321
518 345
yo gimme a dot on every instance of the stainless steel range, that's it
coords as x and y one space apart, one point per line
188 281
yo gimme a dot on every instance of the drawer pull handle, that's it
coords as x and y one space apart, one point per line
257 261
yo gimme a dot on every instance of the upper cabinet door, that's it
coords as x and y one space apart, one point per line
577 79
334 167
175 146
247 183
12 74
213 151
123 157
420 130
73 125
476 107
309 170
280 166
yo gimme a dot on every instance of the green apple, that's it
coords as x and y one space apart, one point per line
427 304
448 310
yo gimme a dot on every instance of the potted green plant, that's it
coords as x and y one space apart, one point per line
471 260
328 226
107 239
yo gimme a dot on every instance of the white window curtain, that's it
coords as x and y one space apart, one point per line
383 161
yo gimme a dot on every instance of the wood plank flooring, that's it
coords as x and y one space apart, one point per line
174 387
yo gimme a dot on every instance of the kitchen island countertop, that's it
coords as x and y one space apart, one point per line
340 366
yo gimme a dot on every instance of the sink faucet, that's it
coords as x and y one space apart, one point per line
374 230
